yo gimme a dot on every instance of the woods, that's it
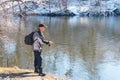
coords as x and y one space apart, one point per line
60 7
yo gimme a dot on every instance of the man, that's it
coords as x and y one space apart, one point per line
37 48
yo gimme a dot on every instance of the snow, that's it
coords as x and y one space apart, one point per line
84 8
38 11
74 9
78 10
112 5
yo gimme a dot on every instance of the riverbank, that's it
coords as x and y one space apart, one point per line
67 8
15 73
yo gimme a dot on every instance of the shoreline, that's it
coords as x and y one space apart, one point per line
15 73
83 14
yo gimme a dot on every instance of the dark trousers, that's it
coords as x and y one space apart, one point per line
37 59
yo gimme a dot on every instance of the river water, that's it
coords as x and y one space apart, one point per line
87 48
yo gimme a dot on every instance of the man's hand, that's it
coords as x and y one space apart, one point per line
50 43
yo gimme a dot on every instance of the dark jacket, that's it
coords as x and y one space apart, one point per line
38 40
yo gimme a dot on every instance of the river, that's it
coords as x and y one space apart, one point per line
86 48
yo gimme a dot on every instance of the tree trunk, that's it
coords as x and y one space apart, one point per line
65 4
49 7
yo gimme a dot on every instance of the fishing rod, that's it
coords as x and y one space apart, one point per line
62 43
65 44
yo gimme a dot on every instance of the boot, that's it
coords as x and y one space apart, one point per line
41 73
36 70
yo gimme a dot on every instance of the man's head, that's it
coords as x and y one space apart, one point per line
42 27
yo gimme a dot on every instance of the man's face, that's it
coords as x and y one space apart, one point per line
42 29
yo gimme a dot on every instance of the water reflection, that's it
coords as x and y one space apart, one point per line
85 49
108 71
9 47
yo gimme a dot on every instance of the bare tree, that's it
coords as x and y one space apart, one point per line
95 7
3 7
49 5
97 2
65 4
79 1
59 5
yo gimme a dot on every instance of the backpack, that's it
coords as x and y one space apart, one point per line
29 39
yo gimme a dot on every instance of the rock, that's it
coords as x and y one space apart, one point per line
60 13
96 14
117 11
84 13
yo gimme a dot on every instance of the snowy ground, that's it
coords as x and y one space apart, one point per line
84 8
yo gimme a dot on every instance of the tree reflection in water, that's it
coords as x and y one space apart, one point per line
91 45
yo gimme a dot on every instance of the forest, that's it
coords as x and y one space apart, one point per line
60 7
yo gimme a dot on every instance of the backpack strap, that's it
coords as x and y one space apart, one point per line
42 38
40 34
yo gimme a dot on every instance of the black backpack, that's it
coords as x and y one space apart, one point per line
29 39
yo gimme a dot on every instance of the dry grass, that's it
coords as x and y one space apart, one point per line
16 73
13 70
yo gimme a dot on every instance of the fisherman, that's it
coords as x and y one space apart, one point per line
38 38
